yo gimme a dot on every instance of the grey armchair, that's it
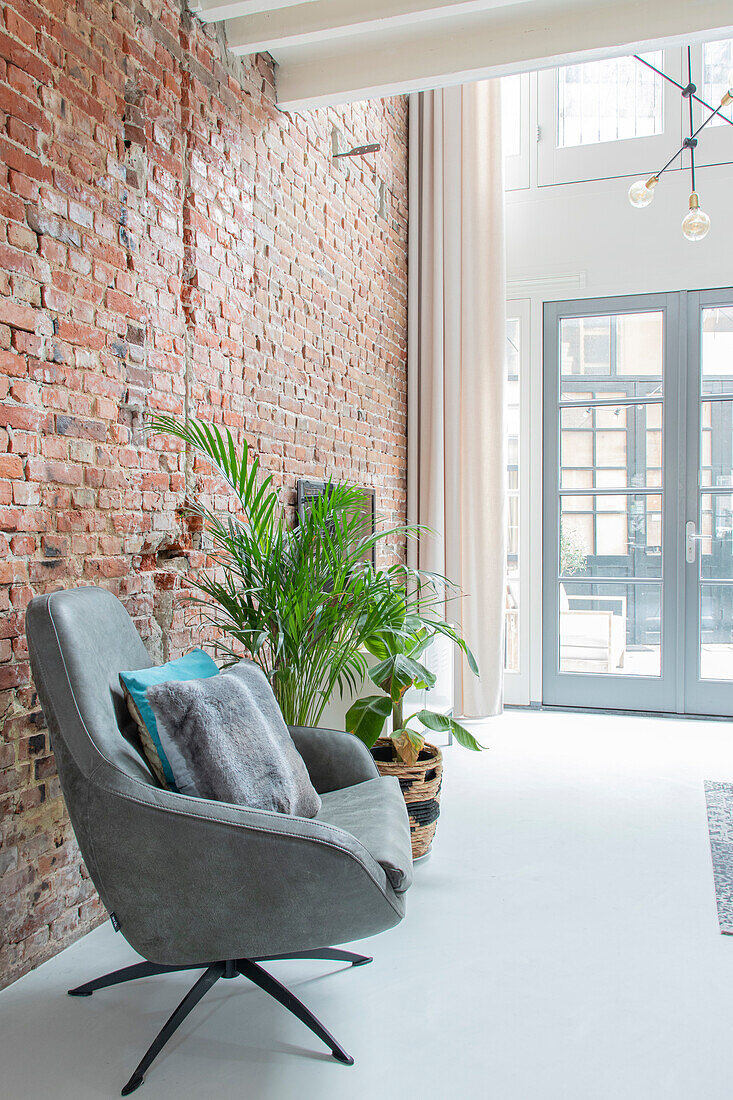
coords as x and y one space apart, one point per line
194 884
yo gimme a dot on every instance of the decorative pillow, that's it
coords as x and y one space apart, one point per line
194 666
233 741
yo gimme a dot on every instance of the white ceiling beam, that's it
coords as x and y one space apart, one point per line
518 38
317 21
213 11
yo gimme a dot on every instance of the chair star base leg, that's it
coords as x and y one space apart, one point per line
288 1000
126 974
250 969
210 976
334 954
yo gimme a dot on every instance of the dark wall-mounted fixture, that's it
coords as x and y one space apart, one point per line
338 151
358 150
308 489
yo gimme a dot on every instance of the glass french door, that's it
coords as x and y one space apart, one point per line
708 541
638 503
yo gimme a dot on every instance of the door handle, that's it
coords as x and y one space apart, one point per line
691 537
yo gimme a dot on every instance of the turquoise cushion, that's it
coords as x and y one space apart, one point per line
196 665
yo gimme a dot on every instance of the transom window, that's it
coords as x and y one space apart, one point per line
717 63
609 100
616 117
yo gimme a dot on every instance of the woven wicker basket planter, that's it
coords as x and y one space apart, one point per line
421 789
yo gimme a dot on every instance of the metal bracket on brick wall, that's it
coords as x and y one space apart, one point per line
341 154
358 150
340 151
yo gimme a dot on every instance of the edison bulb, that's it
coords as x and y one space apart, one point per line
641 193
696 224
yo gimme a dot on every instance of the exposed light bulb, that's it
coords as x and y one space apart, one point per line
696 224
641 193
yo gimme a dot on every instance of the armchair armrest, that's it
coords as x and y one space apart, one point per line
334 759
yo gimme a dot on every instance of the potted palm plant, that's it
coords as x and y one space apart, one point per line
404 751
306 603
299 600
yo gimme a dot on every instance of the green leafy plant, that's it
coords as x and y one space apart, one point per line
414 627
573 553
300 601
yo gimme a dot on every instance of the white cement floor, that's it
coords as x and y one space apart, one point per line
561 943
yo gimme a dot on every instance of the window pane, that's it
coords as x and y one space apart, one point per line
611 536
716 528
611 446
717 350
511 639
717 63
513 352
716 632
611 357
610 628
716 444
609 100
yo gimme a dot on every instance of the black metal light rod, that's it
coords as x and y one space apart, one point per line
684 145
692 142
670 162
681 87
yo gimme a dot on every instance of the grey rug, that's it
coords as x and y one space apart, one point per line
719 797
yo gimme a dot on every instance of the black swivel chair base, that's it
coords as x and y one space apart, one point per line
249 968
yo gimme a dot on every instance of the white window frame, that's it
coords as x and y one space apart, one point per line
517 684
715 143
606 159
517 167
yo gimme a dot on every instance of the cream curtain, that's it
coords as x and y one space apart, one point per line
456 351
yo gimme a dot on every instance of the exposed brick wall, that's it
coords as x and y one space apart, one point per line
168 240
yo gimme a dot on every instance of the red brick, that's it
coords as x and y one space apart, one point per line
11 206
12 676
22 162
12 571
77 333
17 315
11 465
19 236
20 107
20 28
23 134
28 62
15 416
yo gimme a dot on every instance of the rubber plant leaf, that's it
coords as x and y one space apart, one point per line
366 717
408 745
442 723
398 673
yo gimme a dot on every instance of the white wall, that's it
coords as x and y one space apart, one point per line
590 233
591 229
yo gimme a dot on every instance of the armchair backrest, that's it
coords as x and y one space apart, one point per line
79 642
